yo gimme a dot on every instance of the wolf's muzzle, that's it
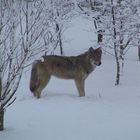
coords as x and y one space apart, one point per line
98 64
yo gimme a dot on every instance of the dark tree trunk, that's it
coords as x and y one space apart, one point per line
60 43
92 4
100 36
1 119
58 30
1 108
118 72
122 55
118 65
139 52
115 46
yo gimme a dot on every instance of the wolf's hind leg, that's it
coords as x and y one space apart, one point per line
80 84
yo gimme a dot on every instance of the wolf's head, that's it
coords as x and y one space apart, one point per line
95 56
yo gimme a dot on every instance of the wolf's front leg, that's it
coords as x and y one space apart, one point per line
80 84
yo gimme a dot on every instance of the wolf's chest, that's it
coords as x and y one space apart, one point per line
88 71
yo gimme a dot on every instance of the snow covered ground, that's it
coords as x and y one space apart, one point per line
107 112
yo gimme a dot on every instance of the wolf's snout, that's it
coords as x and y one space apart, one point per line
99 63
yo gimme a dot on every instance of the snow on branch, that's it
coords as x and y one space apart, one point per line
27 29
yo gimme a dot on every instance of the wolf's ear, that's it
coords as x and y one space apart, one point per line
99 49
90 49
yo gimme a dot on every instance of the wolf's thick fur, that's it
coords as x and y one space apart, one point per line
73 67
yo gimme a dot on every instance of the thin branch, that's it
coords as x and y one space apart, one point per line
10 103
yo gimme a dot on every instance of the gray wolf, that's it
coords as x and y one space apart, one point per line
65 67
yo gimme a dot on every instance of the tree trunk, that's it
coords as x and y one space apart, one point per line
1 108
58 30
1 119
115 45
60 43
139 52
118 73
118 67
100 36
122 55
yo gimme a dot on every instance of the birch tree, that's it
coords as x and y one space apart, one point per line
17 45
120 21
93 9
62 11
122 27
12 57
27 29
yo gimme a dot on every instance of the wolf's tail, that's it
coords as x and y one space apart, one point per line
34 77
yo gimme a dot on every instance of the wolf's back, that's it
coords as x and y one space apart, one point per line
34 77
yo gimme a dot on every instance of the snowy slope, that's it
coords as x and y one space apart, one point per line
107 112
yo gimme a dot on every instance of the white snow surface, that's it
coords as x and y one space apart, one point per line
107 112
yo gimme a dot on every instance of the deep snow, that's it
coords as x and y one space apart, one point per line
107 112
